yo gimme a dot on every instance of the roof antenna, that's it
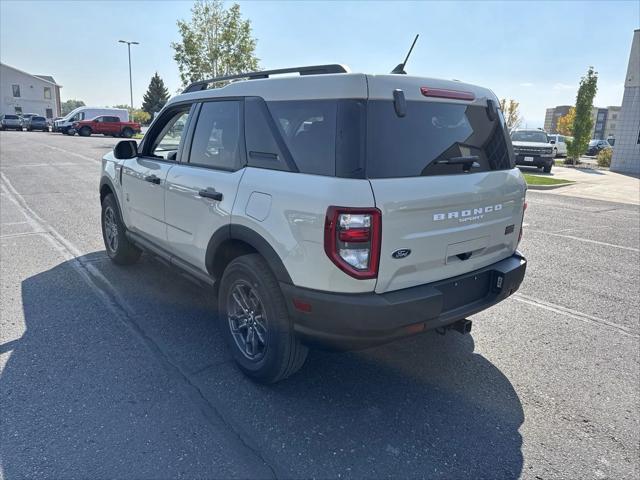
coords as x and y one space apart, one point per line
399 70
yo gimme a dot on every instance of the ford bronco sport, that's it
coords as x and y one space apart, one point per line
533 148
328 209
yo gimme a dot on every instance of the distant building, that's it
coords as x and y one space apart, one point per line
604 120
612 121
626 152
599 116
22 92
552 115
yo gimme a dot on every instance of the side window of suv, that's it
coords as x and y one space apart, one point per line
309 130
167 142
216 139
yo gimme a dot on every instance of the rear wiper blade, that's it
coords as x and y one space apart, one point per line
469 159
468 162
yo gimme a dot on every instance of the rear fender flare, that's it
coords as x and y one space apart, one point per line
254 240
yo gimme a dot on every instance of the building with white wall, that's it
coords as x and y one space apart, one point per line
626 152
22 92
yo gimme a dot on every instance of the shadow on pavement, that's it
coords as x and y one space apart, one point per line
83 396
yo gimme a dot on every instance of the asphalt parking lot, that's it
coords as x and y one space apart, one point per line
119 372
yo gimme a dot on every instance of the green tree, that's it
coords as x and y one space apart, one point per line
135 114
511 112
140 116
156 96
70 105
216 42
583 123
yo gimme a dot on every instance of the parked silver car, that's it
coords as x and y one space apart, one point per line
11 122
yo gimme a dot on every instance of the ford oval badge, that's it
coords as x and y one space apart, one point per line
401 253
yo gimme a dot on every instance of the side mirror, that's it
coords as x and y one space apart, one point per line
125 149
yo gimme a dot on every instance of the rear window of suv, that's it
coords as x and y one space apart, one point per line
11 117
366 139
433 138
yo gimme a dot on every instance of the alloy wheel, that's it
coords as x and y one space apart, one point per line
111 229
247 320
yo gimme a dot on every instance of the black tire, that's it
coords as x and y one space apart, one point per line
127 133
282 354
85 132
547 169
29 129
116 243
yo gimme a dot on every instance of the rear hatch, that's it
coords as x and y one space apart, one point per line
442 174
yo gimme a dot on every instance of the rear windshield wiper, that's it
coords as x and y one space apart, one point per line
468 162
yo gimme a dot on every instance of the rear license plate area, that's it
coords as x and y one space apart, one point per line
457 293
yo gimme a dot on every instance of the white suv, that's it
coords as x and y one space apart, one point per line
533 148
331 208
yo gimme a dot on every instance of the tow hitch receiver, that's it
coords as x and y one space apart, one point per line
462 326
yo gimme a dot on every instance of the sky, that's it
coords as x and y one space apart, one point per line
533 52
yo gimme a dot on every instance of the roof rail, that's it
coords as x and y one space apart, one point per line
309 70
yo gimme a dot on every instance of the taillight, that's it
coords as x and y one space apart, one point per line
352 240
524 209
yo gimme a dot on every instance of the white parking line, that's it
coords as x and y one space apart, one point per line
8 224
23 234
581 239
575 314
90 274
40 165
73 154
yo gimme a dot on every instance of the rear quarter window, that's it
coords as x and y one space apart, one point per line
309 131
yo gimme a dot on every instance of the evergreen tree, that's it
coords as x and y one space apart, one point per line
156 96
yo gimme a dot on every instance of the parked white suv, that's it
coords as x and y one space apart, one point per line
559 143
330 208
533 148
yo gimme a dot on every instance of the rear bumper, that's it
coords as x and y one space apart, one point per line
536 162
352 321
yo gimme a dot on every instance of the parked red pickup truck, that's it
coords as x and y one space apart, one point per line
106 125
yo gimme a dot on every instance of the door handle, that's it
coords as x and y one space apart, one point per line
152 179
210 193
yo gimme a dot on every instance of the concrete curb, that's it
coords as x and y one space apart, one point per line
549 187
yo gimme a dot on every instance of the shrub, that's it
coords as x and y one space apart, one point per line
604 158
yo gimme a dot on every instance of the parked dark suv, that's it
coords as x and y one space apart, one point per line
36 123
596 146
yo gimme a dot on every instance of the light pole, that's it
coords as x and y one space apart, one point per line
130 81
